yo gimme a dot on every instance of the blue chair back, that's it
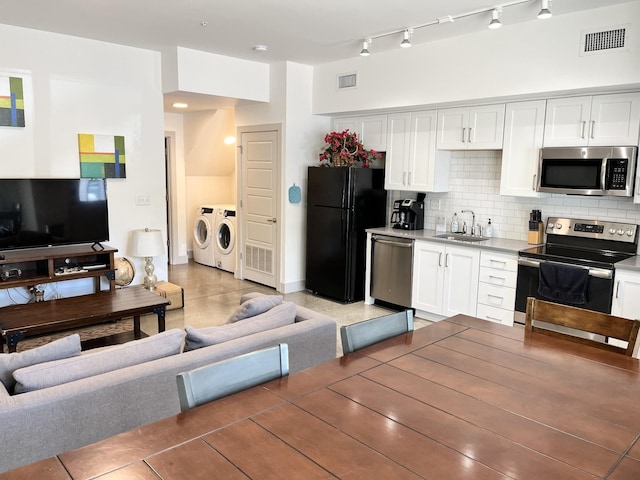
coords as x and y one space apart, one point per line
232 375
368 332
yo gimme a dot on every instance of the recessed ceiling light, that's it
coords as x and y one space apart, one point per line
204 24
180 105
260 48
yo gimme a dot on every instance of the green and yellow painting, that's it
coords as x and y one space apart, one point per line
101 156
11 102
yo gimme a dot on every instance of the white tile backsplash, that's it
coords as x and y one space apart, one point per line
475 185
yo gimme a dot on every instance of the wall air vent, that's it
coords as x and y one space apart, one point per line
613 39
347 80
258 258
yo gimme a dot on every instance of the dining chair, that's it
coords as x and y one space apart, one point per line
588 321
232 375
365 333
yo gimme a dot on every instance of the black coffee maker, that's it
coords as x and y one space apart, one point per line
408 214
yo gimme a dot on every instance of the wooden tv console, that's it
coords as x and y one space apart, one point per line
55 264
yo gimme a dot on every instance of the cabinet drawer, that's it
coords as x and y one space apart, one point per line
499 261
493 314
499 297
499 278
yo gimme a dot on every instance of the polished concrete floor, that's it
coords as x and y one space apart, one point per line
211 296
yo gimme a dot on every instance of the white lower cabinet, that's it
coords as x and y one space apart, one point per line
497 286
445 278
626 294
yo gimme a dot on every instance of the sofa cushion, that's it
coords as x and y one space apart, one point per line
63 348
255 306
279 316
67 370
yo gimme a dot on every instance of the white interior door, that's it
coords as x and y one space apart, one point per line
260 187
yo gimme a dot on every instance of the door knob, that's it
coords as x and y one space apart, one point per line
272 220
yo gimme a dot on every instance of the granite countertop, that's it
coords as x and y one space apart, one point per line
495 244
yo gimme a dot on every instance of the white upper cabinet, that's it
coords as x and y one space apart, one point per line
471 128
604 120
412 162
523 132
371 130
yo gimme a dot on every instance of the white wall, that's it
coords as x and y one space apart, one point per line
194 71
73 86
302 133
527 59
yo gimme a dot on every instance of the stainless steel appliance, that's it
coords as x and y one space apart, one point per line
391 272
576 264
408 214
587 170
341 204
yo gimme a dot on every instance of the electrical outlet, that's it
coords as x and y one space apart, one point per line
143 200
434 204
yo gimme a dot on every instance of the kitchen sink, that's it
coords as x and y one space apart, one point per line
461 237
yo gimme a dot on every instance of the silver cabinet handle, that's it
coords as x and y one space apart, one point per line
593 128
533 186
446 260
470 134
584 123
409 178
440 259
463 132
404 178
617 288
272 220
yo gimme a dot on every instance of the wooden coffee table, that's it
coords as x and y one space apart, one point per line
18 322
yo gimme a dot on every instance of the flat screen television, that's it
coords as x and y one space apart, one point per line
46 212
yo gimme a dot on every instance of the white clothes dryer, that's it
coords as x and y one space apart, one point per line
204 231
225 240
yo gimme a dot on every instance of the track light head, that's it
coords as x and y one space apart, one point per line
406 38
495 18
366 44
545 11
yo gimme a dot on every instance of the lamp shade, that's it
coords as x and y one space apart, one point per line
146 243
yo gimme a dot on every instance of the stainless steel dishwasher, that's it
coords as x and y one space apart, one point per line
391 271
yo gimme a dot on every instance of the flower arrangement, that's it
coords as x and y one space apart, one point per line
344 149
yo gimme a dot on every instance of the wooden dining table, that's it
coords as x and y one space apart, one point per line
460 399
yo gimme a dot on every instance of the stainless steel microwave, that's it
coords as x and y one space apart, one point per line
587 170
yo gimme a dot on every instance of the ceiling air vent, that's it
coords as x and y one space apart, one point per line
604 41
348 80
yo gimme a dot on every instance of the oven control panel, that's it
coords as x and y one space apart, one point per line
620 232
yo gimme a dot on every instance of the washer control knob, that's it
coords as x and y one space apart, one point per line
559 226
612 231
551 225
620 232
629 233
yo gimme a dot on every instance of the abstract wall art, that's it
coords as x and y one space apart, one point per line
11 102
101 156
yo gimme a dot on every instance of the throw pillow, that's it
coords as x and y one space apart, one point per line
254 307
62 348
48 374
279 316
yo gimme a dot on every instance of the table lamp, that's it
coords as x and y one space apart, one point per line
147 243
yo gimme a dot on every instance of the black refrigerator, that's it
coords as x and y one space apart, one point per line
341 203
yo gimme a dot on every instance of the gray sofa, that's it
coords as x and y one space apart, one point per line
45 422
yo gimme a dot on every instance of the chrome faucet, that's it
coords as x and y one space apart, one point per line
473 221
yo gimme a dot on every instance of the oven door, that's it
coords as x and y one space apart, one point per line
599 288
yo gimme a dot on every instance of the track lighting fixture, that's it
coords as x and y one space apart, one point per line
406 38
545 12
495 18
366 44
496 22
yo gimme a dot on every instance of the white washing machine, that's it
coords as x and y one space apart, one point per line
225 238
204 231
